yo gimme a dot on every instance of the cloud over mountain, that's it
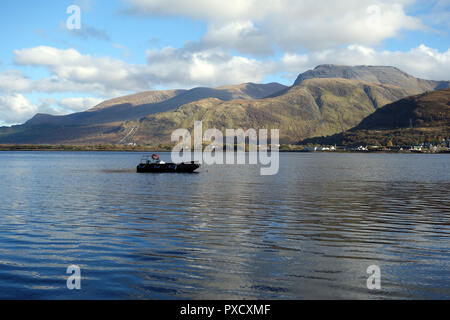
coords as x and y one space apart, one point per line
15 108
73 71
212 67
422 61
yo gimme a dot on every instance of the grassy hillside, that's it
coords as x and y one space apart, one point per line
317 107
413 120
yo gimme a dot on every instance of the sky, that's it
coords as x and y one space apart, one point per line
53 62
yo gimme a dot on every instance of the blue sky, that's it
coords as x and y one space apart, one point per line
42 23
129 46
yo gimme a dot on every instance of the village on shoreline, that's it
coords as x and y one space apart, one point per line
426 148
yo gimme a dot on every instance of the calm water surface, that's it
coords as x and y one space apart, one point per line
226 233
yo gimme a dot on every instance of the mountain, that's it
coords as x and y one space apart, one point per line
412 120
318 104
316 107
142 104
373 74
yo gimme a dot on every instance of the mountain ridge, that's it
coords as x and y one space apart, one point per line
127 107
312 107
318 107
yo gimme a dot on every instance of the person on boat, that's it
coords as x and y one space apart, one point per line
156 158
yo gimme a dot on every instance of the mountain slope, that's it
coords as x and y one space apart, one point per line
425 110
142 104
415 119
317 107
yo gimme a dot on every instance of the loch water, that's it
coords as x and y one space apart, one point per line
311 231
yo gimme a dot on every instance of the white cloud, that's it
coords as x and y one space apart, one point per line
14 81
15 109
79 104
193 65
241 36
51 106
290 24
422 62
213 67
184 67
73 71
213 10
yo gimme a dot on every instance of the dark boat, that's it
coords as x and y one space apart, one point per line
155 165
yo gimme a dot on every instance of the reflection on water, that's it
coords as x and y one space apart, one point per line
309 232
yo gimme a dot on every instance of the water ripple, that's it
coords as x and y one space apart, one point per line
226 233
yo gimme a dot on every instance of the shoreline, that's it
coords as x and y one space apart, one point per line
49 148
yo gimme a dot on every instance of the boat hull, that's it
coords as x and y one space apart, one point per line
167 167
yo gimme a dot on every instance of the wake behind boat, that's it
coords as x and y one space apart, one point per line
154 164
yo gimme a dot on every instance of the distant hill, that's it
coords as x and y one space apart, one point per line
412 120
142 104
324 101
